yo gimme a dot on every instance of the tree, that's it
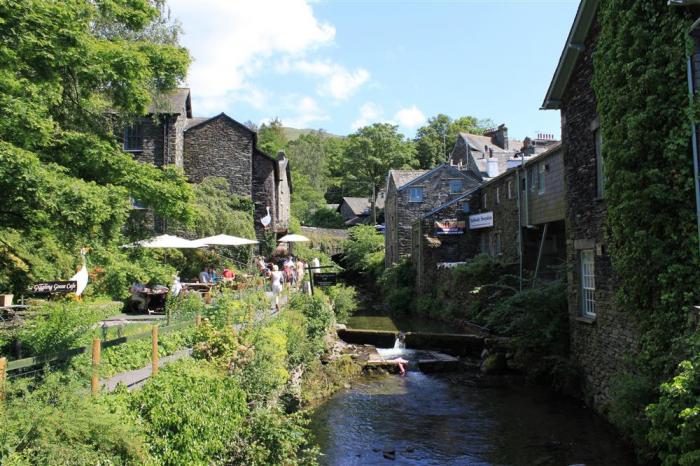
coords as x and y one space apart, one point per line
371 152
71 73
271 137
307 156
434 141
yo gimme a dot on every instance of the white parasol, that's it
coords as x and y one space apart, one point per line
226 240
293 238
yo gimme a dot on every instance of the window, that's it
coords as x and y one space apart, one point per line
510 189
485 200
587 283
495 243
455 186
532 178
465 207
540 177
599 172
498 195
133 137
416 195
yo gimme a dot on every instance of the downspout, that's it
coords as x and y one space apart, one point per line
520 230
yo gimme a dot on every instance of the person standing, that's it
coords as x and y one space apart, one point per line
301 270
276 282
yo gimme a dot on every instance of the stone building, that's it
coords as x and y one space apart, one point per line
517 215
601 335
213 147
486 154
412 193
355 210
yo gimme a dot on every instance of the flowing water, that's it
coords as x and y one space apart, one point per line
433 419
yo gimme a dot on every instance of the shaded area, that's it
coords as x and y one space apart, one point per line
445 420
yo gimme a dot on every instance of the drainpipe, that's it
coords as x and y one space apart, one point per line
694 135
520 230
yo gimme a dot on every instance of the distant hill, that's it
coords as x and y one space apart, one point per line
293 133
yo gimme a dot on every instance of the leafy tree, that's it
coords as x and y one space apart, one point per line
371 152
305 199
434 141
72 72
271 137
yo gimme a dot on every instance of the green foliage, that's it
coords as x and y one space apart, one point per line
305 198
266 374
364 252
73 72
56 422
324 217
645 124
60 326
191 411
398 284
271 137
435 141
675 418
271 437
344 299
371 152
319 317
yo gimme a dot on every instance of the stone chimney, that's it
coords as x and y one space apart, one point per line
499 136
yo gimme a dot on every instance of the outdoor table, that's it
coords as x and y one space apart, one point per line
155 299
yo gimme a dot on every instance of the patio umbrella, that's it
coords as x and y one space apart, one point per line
166 241
292 239
226 240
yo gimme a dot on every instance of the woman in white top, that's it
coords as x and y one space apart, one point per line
276 280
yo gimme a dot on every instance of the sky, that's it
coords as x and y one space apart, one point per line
339 65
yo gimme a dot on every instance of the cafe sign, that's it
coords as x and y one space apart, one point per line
450 226
325 279
483 220
54 287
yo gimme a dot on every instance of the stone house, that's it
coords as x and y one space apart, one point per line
519 213
601 335
213 147
355 210
412 193
487 154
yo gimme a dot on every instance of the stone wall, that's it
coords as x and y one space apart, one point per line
436 192
599 346
548 206
494 198
223 148
152 142
391 236
264 192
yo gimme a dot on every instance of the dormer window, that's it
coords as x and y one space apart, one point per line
133 138
455 186
416 195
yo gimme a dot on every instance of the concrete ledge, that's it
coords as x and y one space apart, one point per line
455 344
378 338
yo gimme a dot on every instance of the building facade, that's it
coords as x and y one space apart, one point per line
602 337
214 147
412 193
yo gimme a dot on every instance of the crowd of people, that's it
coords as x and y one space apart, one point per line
288 272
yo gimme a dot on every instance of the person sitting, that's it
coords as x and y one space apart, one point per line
176 287
228 275
138 299
204 276
213 276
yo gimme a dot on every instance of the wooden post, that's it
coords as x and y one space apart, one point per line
197 320
3 376
95 381
154 357
207 297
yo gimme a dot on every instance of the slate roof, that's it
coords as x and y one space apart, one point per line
358 205
401 177
172 103
194 121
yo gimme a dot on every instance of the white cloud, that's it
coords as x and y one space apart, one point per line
410 117
307 111
231 41
338 82
369 113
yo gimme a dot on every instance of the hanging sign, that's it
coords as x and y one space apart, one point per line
450 226
54 287
483 220
325 279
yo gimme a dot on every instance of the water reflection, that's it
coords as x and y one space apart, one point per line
424 419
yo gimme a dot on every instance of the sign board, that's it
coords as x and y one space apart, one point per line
450 226
325 279
483 220
54 287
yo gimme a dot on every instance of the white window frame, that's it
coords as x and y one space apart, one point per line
587 271
485 200
510 189
498 194
412 197
458 184
541 167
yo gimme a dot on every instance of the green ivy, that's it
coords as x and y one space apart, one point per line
642 101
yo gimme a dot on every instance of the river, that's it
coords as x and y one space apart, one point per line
445 419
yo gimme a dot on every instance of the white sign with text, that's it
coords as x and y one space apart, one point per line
483 220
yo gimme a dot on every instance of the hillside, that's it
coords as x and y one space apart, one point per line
293 133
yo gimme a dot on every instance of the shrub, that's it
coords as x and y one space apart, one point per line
191 412
271 437
398 284
266 374
324 217
300 349
675 417
185 306
57 423
220 346
364 252
344 299
319 317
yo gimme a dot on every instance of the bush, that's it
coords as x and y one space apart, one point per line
220 346
398 284
675 417
344 299
192 412
364 252
185 306
58 423
266 374
271 437
323 217
300 349
319 317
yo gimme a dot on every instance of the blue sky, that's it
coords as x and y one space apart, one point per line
338 65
